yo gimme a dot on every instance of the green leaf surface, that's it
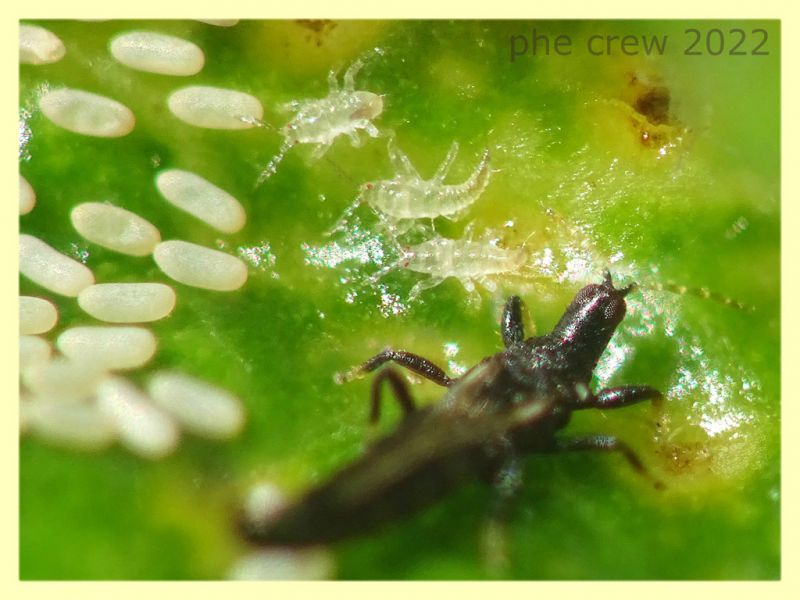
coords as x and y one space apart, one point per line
588 175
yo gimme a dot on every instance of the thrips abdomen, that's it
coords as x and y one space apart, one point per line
511 403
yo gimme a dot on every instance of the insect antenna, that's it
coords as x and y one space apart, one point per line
702 292
379 274
526 266
370 283
527 239
345 216
272 165
336 167
257 122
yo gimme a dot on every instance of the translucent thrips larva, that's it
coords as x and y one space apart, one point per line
320 121
470 261
407 196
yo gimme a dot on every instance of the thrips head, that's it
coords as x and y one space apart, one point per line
591 318
369 105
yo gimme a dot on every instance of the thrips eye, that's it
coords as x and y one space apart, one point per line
614 310
587 293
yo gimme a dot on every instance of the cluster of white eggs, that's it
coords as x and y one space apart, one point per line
76 394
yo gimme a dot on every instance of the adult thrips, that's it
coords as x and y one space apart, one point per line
511 403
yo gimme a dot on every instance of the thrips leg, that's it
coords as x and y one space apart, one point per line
400 161
293 106
371 130
488 284
387 225
350 75
400 389
507 481
320 150
441 172
618 397
422 285
332 83
511 326
354 139
469 287
380 273
412 362
608 443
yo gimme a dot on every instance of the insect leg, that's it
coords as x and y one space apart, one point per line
511 326
380 273
469 286
412 362
507 481
320 150
333 84
355 140
423 284
618 397
293 106
350 75
441 172
371 130
608 443
400 389
488 284
400 161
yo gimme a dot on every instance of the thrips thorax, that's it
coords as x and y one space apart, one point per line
511 403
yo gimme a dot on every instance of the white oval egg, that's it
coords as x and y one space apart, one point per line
115 228
142 428
108 347
199 266
201 199
215 108
27 196
33 351
86 113
36 315
157 53
77 426
200 407
39 46
63 378
43 264
128 302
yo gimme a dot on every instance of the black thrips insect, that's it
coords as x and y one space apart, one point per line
511 403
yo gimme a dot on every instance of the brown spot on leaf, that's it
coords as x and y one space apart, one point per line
318 28
653 104
685 458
